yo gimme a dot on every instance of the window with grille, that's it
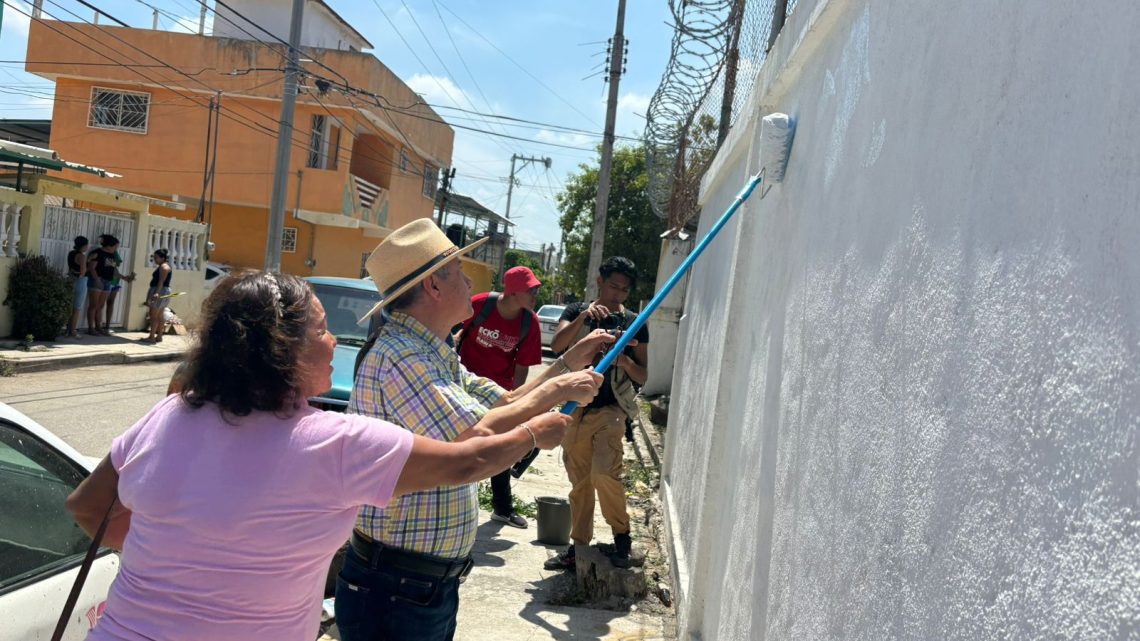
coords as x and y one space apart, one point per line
289 240
318 143
404 160
119 110
431 179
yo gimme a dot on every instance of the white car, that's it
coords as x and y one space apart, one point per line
41 547
548 316
215 272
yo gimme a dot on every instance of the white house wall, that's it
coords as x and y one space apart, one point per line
318 29
907 397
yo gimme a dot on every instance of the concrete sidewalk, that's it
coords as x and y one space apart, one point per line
118 348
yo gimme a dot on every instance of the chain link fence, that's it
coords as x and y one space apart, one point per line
717 51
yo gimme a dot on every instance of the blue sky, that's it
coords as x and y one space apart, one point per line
557 41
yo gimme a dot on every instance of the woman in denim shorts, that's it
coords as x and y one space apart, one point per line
77 273
158 296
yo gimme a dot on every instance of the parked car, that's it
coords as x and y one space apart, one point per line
215 272
41 547
548 316
346 301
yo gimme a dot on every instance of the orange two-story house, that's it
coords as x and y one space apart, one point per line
136 102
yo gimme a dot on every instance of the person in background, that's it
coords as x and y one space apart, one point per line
77 273
592 449
501 341
229 499
113 294
100 273
158 296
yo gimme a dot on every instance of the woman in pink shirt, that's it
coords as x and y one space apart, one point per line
234 495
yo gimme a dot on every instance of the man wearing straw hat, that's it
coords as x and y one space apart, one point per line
405 562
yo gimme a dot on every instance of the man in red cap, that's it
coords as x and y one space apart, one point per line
502 341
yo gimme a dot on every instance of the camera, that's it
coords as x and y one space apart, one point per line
614 323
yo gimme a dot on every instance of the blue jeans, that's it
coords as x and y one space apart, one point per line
386 604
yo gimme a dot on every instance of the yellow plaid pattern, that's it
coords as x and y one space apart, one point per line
413 379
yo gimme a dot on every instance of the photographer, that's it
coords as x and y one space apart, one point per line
592 447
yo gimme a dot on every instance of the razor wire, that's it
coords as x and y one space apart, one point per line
718 48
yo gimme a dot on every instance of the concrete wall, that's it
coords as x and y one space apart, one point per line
909 406
665 321
320 28
7 264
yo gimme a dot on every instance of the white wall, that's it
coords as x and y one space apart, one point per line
318 29
909 403
664 324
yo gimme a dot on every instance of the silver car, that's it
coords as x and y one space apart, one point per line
548 316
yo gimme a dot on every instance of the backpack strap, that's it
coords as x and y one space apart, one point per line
527 319
480 318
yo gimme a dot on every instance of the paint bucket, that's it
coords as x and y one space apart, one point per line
553 520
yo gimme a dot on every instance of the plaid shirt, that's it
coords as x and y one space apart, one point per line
412 378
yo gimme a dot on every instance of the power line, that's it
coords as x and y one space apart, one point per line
233 118
415 22
515 63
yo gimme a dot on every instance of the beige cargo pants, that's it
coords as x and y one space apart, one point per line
591 452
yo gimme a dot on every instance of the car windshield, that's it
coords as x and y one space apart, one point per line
344 306
550 312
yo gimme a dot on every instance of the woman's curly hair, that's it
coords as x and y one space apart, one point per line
253 329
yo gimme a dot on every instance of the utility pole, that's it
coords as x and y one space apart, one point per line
511 183
284 142
598 239
37 9
444 193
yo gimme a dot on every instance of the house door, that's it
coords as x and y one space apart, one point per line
63 224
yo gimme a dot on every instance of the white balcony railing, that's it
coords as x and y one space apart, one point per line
9 229
367 192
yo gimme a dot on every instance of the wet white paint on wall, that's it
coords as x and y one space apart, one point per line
907 395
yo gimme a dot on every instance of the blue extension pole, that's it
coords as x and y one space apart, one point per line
643 317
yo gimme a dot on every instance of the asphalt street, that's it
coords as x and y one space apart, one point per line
88 406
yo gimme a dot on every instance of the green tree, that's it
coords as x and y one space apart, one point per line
632 229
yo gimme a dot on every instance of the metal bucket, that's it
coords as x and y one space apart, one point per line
553 520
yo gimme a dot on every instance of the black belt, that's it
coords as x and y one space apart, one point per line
383 555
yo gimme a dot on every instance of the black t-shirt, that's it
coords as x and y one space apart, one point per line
104 264
605 395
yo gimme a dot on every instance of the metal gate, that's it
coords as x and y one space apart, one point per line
63 224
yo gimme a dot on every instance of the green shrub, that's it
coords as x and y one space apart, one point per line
40 298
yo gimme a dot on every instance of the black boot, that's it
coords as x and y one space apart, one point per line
622 546
565 561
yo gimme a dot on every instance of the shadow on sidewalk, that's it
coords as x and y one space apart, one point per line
581 623
487 543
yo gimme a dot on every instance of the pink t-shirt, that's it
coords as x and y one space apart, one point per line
234 524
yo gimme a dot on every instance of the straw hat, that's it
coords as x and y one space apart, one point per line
409 255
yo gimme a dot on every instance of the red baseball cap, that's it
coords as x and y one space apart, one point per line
519 279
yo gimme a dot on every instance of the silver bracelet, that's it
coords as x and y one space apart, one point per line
533 438
562 365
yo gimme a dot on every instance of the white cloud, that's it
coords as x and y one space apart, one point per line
439 90
16 24
633 102
189 24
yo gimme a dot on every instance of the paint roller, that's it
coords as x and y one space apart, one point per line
775 145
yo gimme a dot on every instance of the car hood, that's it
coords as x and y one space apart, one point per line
344 358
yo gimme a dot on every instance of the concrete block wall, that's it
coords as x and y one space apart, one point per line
907 401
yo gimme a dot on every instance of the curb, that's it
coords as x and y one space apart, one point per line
50 363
